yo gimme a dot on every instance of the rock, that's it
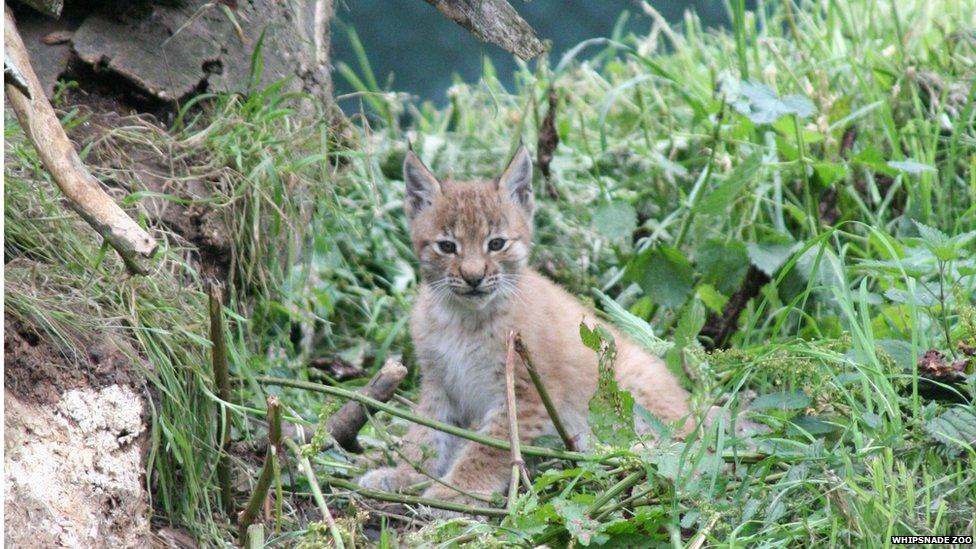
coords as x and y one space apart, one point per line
172 51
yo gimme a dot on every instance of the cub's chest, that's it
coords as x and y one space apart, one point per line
469 365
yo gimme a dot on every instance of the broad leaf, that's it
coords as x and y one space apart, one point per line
783 400
955 428
611 410
616 220
769 257
719 200
763 106
664 274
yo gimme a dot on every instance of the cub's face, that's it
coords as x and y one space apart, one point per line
472 238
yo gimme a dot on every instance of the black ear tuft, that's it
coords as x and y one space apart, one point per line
516 181
422 186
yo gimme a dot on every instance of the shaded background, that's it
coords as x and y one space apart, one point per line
411 47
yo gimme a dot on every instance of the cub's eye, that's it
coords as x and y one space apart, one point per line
447 247
496 244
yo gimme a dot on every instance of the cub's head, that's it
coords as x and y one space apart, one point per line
472 238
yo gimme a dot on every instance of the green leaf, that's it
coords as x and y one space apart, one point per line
829 173
719 200
685 335
722 264
711 297
611 410
589 337
763 106
769 257
783 400
615 220
578 523
955 429
911 166
664 274
633 325
872 158
801 425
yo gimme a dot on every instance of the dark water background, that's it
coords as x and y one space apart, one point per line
413 48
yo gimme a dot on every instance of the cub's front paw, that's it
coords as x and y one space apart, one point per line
386 479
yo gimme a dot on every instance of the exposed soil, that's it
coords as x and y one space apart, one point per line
75 438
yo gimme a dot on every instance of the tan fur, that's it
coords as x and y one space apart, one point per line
459 340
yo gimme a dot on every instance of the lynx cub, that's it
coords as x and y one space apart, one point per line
472 240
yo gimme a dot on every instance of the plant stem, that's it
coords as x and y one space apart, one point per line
218 357
540 387
698 190
260 493
518 464
432 423
614 490
414 500
317 493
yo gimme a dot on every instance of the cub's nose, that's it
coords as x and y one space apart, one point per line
473 280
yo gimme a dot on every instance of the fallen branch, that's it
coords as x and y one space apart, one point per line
493 21
218 359
544 394
373 404
518 464
260 493
345 424
414 500
43 129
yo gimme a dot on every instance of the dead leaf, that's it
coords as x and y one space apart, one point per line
548 141
58 37
933 365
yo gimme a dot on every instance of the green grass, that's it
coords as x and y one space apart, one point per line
674 176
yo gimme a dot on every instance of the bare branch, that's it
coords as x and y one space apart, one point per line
493 21
85 195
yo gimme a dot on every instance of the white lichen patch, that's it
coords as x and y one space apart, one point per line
74 474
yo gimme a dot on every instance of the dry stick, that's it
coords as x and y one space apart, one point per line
345 424
218 358
518 464
85 195
414 500
432 423
540 387
317 493
260 493
493 21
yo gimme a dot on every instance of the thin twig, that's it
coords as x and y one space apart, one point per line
317 492
84 193
518 464
218 359
260 493
540 387
414 500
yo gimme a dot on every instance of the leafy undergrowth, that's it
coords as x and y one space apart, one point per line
799 193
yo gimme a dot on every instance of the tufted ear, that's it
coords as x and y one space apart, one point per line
516 181
422 186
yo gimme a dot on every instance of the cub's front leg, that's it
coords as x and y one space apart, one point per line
480 470
423 447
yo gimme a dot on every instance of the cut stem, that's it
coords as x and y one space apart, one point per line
540 387
518 464
260 493
218 358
